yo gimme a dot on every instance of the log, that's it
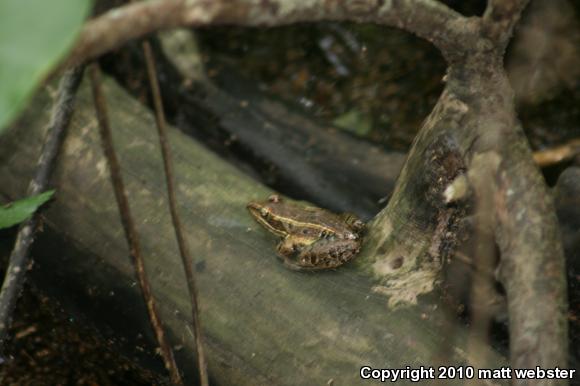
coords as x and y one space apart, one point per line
264 136
263 324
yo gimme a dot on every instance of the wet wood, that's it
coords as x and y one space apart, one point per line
263 324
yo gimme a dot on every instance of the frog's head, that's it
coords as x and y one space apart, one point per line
268 214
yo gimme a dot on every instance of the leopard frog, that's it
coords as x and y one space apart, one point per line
312 238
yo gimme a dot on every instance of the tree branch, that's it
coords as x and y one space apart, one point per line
532 267
184 250
129 226
499 20
20 258
428 19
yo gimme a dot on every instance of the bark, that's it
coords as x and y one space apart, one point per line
263 324
475 117
428 19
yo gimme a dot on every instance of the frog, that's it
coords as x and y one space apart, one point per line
312 238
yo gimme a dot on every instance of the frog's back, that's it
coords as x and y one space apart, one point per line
322 218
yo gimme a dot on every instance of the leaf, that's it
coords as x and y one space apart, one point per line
18 211
355 122
34 35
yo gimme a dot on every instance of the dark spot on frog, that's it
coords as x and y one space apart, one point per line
398 262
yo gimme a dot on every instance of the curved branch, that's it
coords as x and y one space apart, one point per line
499 19
532 267
428 19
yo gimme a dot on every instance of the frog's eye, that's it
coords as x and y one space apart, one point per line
323 234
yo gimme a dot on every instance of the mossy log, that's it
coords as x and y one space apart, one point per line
263 324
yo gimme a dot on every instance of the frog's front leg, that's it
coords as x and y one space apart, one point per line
286 247
287 250
354 222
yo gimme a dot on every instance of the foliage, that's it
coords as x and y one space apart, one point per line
18 211
34 35
355 122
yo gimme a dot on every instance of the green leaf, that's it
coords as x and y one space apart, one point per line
18 211
34 36
355 122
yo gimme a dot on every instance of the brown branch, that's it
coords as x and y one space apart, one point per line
555 155
483 169
532 267
20 258
428 19
129 225
184 252
500 18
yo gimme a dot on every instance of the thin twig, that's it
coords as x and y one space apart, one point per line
19 258
186 257
129 225
428 19
558 154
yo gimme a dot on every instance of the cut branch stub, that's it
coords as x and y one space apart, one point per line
411 238
476 114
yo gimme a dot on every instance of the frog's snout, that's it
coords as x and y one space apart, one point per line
253 209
